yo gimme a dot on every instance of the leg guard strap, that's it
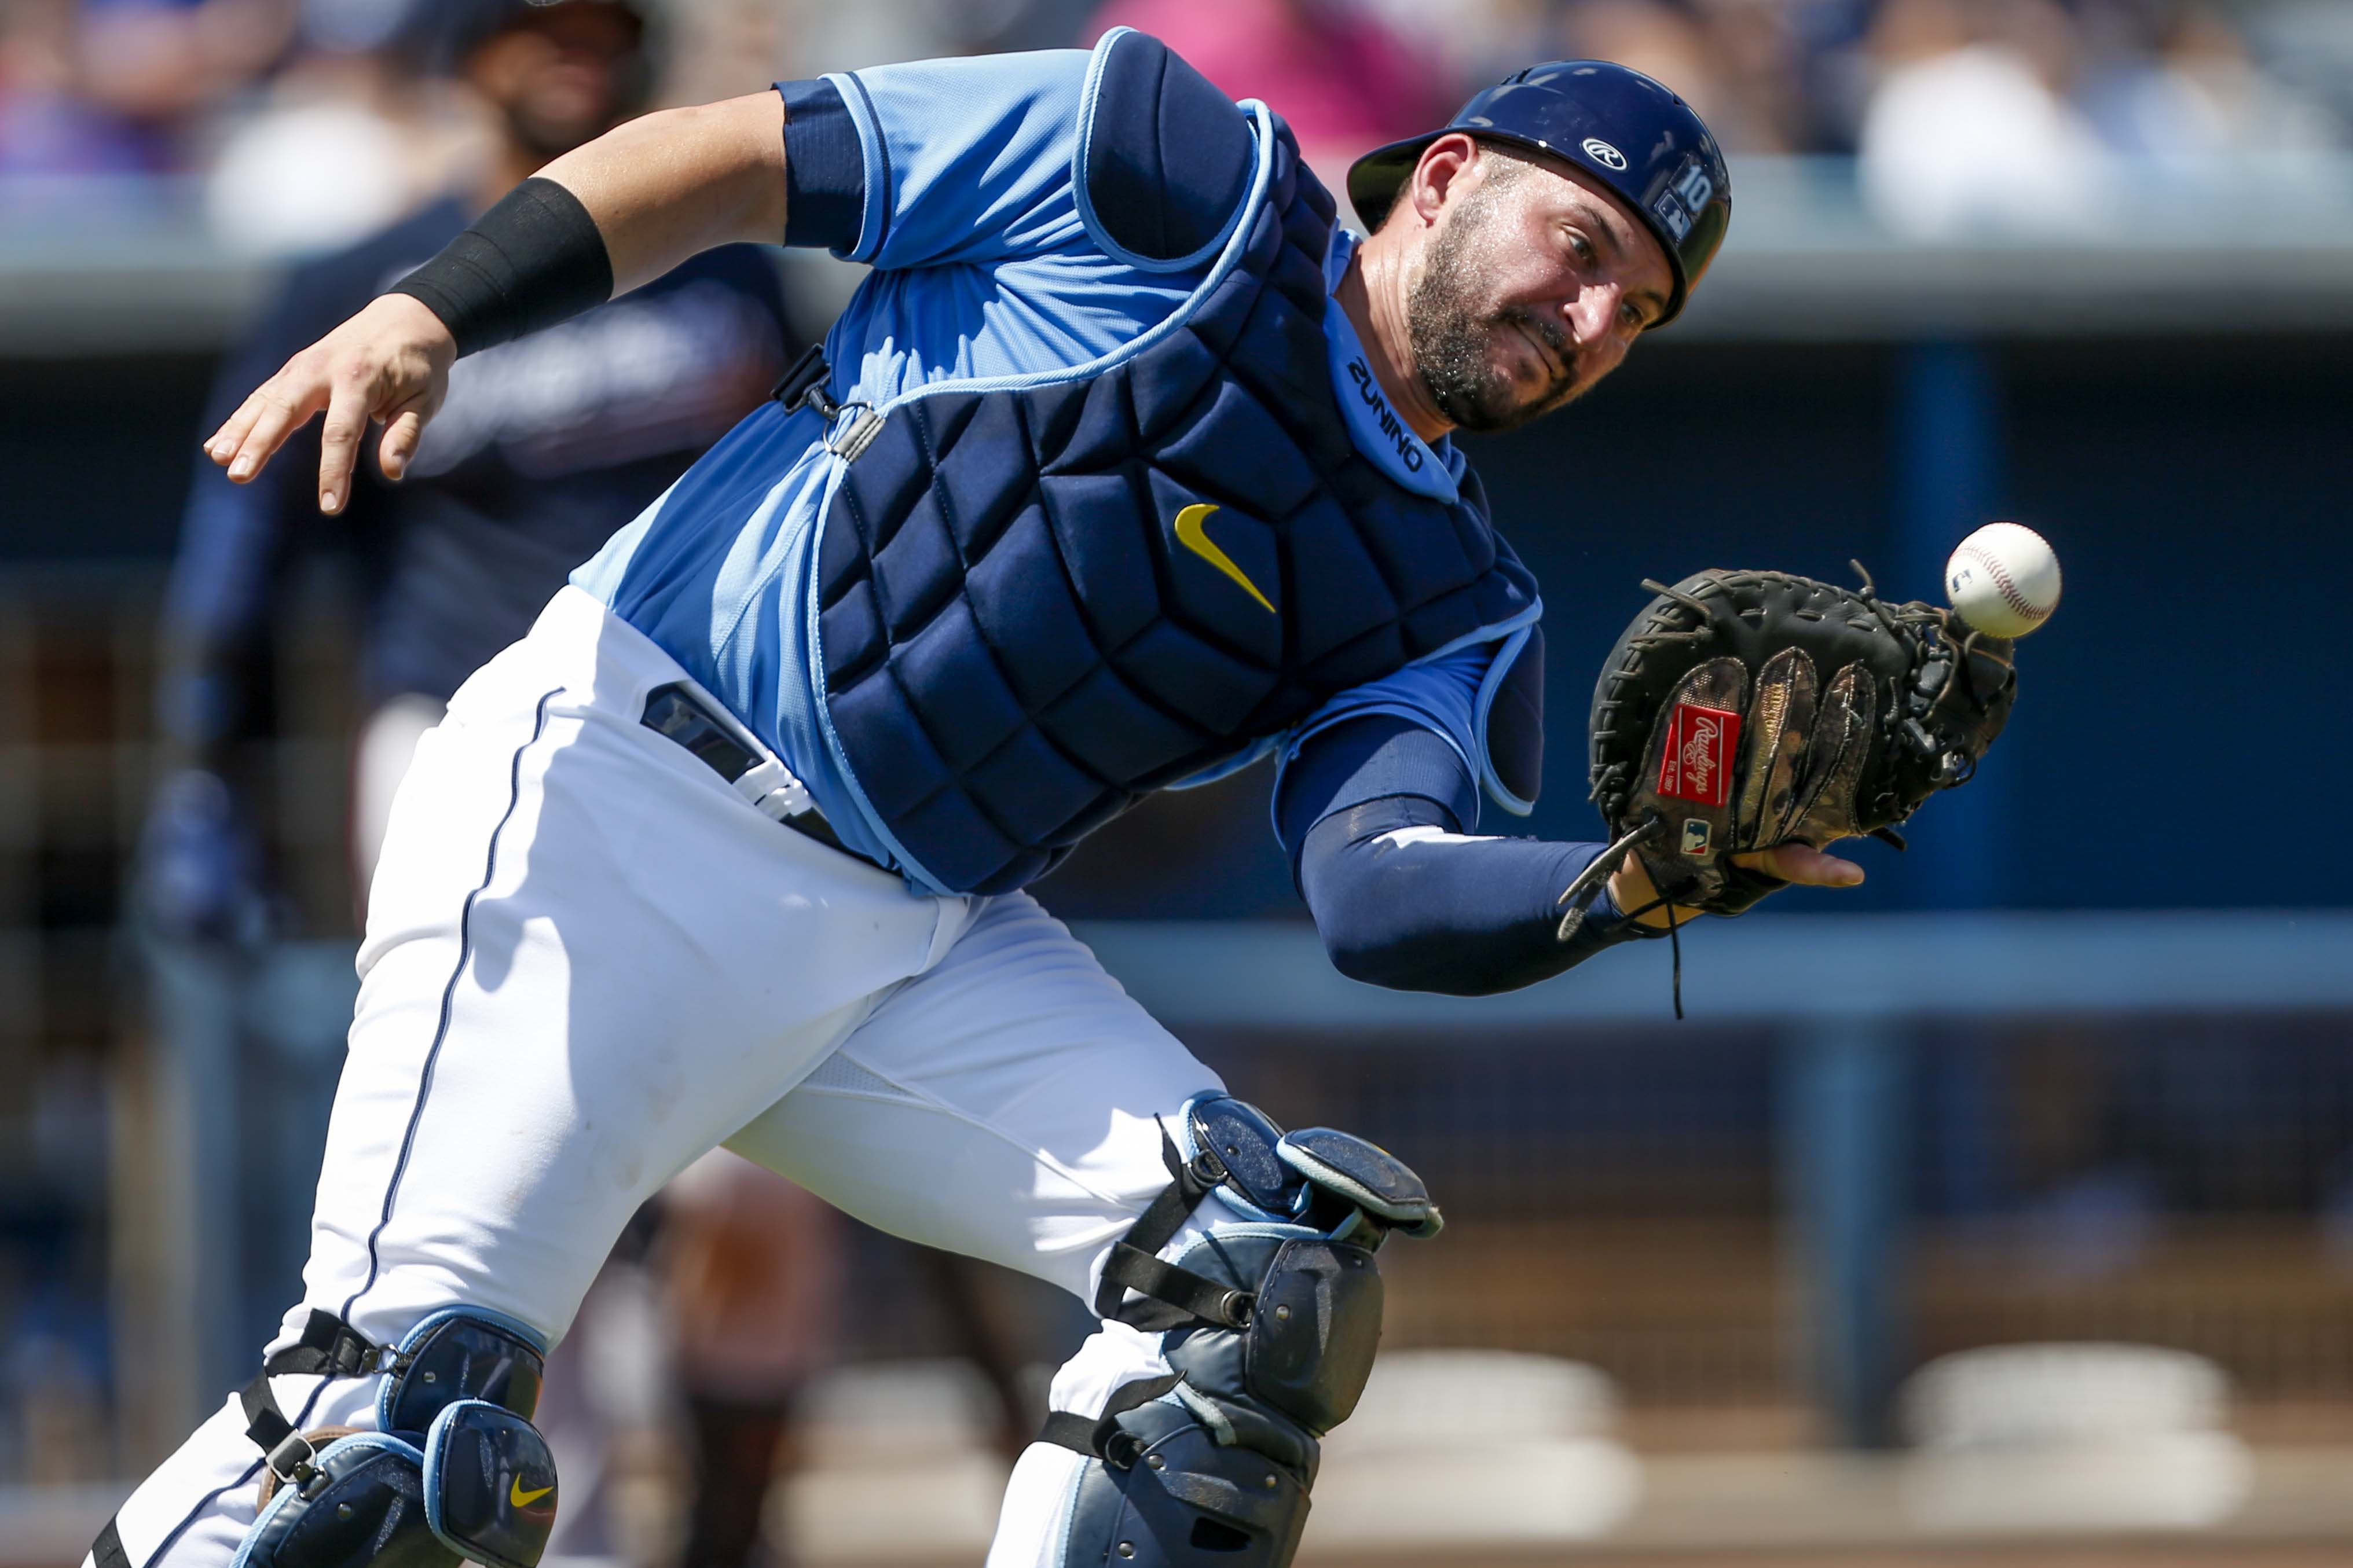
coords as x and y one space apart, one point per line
1106 1439
1175 1296
454 1354
329 1348
107 1551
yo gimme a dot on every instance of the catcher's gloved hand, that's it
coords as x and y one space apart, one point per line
1744 711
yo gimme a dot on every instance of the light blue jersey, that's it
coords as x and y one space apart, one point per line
955 180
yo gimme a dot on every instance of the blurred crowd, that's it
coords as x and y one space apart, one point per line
313 119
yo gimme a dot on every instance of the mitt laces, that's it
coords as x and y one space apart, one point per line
1585 886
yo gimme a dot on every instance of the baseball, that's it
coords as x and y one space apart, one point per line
2003 580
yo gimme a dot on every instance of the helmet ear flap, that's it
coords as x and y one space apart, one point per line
1379 178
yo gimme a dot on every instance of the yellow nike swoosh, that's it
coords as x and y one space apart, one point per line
522 1498
1190 535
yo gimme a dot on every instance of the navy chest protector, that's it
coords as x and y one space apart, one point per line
1039 601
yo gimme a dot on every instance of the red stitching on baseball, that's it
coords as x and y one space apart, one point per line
2009 594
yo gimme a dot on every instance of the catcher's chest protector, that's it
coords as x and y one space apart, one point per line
1039 601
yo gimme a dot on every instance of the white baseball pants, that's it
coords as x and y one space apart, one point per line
588 962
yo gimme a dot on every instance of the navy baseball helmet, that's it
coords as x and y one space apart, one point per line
1628 131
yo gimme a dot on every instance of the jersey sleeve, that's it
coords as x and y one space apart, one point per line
936 162
1122 153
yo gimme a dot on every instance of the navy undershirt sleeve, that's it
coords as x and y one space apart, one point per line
1428 911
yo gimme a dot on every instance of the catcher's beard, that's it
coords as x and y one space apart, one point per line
1452 331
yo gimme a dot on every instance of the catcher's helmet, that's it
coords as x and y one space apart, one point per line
1632 133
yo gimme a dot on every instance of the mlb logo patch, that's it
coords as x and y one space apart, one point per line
1697 763
1699 838
1675 214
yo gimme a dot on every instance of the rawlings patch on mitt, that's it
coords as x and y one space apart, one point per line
1746 710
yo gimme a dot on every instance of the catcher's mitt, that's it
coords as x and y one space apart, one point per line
1745 709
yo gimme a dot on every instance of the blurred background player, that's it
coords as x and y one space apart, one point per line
551 447
754 1269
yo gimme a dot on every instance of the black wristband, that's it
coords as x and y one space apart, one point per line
534 259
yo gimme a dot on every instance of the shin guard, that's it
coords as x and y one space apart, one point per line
1272 1319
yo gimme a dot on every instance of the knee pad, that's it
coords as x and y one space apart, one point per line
1271 1318
455 1472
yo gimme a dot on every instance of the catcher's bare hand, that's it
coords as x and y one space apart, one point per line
389 364
1801 864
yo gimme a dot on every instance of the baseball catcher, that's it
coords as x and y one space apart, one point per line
1127 466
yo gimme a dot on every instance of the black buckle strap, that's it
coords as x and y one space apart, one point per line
1177 1296
292 1456
107 1551
1182 1296
1105 1439
803 385
329 1348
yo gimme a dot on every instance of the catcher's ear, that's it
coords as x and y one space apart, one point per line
1510 719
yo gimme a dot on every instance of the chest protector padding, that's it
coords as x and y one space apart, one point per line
1028 620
